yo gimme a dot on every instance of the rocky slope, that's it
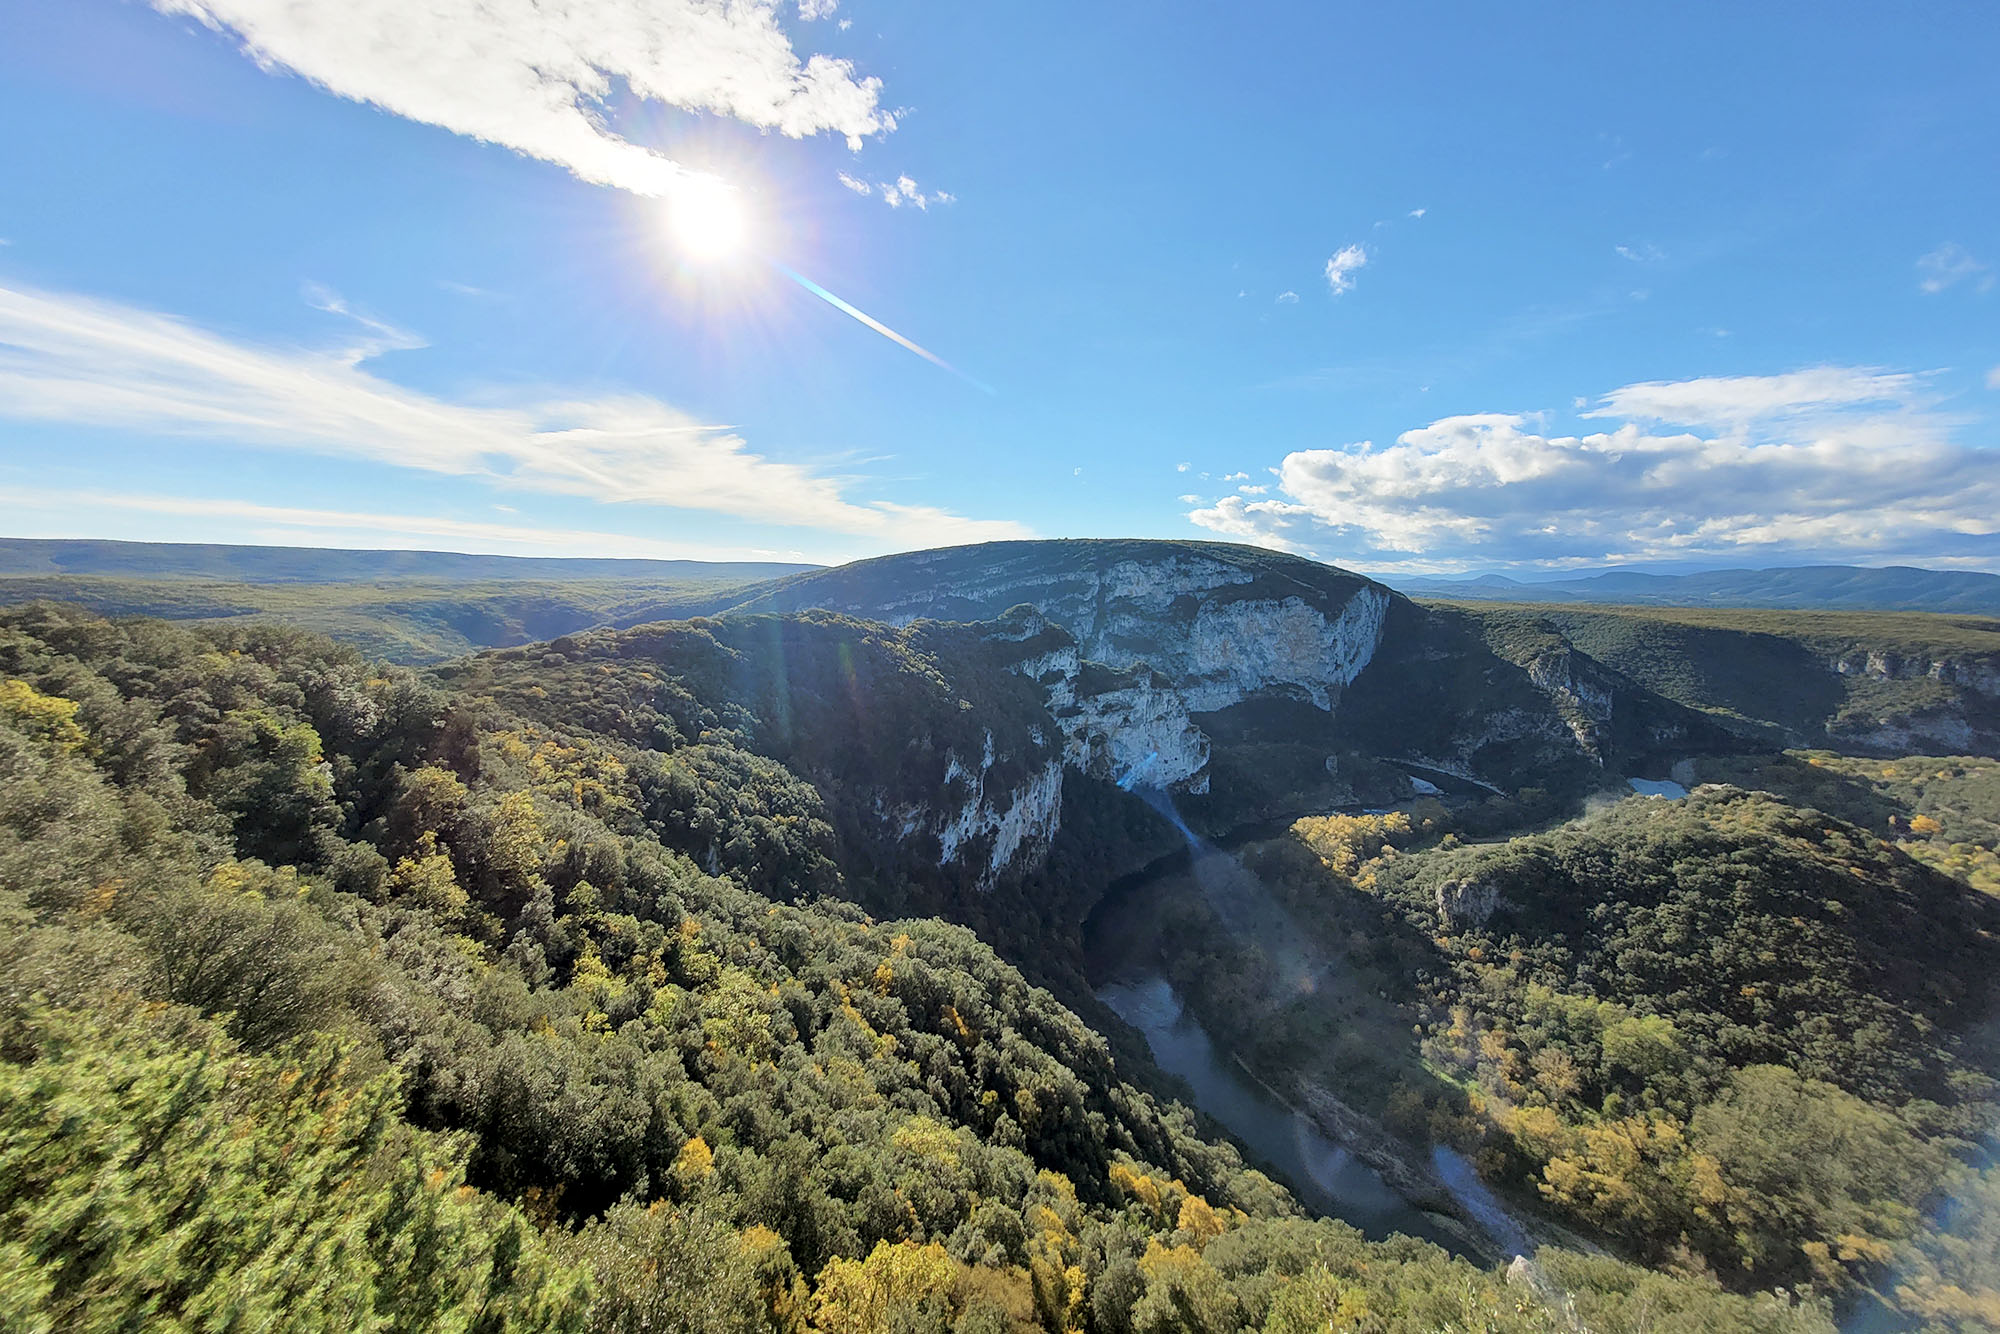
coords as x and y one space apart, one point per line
1222 622
1868 682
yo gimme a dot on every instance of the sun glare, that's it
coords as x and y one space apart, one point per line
709 221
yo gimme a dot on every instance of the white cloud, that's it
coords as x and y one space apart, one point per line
1287 298
1253 490
1949 265
903 191
1418 212
537 77
1340 268
1643 253
899 192
1829 463
1182 467
1190 500
1237 477
73 359
809 10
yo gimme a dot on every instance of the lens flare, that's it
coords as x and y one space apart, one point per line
863 317
711 227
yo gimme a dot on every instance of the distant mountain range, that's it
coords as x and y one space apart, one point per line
312 565
1806 587
1810 587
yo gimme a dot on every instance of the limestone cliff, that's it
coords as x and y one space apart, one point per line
982 823
1130 727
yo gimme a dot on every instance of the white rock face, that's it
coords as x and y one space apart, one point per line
1581 697
1131 727
1981 678
1935 732
1125 652
1183 613
1021 821
1229 649
1463 903
1140 735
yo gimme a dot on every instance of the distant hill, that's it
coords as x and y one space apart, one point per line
314 565
1066 578
1806 587
406 606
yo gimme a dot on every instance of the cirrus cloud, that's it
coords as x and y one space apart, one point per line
1832 462
1948 266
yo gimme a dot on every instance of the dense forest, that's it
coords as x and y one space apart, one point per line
336 996
1735 1035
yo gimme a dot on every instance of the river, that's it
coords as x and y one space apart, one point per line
1326 1178
1126 972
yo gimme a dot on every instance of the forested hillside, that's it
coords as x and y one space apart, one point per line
338 997
1730 1034
1724 1025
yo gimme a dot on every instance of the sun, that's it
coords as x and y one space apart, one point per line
708 220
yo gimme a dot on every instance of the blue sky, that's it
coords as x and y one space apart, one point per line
1409 288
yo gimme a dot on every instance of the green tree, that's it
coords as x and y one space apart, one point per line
147 1181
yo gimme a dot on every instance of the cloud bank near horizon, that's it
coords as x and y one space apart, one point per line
1836 463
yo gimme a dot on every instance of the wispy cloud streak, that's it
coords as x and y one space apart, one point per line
75 359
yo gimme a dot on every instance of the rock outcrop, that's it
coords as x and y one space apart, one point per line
1979 677
1582 693
1467 903
1012 827
1926 702
1131 727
